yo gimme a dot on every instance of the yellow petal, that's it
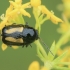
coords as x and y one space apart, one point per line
9 10
4 46
35 3
19 8
64 27
2 17
67 13
55 19
25 5
18 1
34 66
13 4
12 13
45 10
25 13
59 52
3 23
15 47
51 16
44 68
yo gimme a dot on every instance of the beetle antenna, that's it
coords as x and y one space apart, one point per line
46 46
30 45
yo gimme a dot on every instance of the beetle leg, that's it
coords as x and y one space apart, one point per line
26 25
22 46
26 45
9 45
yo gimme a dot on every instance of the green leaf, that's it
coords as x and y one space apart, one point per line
59 58
52 49
41 49
62 68
64 63
39 54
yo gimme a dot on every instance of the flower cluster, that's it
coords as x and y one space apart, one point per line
14 15
64 29
16 10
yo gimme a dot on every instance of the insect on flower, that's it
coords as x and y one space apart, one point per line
20 35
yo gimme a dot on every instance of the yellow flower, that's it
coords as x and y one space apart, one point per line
4 47
35 3
19 8
2 17
59 52
42 9
67 57
15 47
66 4
50 15
66 0
67 13
12 12
3 23
36 66
44 68
9 10
64 27
6 18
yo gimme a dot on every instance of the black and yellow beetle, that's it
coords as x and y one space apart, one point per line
19 35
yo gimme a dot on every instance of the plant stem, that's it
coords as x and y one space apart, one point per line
61 40
41 49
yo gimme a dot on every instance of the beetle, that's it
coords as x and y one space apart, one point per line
19 35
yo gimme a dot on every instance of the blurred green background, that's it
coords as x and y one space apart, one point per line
21 58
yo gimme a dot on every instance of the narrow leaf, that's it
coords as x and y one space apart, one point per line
52 49
62 68
60 57
64 63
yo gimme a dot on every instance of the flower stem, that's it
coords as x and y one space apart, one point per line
41 49
21 19
61 40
